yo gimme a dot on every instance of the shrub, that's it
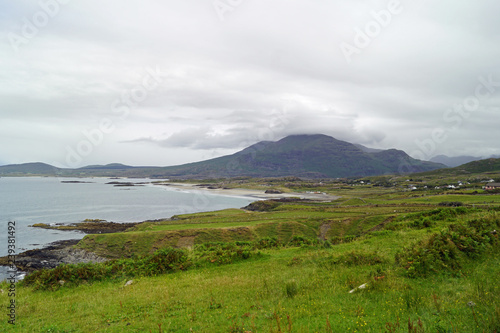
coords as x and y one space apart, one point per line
225 253
162 261
301 241
445 251
268 243
421 223
340 240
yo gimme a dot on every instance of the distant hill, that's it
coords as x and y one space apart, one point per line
311 156
453 161
489 165
28 169
112 166
458 160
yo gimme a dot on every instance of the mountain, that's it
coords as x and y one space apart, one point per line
366 149
487 167
303 156
311 156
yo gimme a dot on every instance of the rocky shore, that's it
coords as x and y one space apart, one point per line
64 252
89 226
61 252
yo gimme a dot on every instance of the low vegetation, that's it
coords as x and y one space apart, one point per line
379 259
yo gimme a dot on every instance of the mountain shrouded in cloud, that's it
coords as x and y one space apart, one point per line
309 156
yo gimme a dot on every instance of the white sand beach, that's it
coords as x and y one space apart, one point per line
257 194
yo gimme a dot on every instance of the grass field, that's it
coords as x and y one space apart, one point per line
383 239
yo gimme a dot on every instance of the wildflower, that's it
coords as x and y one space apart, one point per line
471 304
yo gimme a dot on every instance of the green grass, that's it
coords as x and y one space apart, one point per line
252 295
287 289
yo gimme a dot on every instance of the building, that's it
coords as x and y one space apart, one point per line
492 186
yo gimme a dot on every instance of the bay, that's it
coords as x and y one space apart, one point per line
30 200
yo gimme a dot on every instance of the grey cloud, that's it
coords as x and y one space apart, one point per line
269 70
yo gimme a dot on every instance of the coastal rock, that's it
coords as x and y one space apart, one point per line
270 191
61 252
89 226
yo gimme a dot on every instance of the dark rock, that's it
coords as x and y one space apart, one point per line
273 192
60 252
89 227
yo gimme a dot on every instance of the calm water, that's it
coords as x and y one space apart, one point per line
46 200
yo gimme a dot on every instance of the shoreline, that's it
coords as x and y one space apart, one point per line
63 252
51 256
249 193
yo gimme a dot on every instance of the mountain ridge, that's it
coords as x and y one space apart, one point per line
310 156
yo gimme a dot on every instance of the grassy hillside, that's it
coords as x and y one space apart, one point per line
491 165
289 267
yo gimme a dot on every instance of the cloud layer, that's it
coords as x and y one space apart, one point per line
168 82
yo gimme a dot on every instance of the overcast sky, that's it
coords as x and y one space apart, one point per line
165 82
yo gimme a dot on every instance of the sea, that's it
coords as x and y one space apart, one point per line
30 200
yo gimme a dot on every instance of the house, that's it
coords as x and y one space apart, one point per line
492 186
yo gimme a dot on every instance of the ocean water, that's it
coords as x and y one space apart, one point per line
30 200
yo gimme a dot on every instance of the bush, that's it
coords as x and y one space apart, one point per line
225 253
301 241
162 261
268 243
340 240
445 251
421 223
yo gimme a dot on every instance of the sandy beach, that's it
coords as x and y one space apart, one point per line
252 193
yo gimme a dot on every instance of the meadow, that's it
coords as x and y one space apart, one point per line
376 260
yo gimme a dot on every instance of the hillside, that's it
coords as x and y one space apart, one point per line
315 156
308 156
476 167
458 160
28 168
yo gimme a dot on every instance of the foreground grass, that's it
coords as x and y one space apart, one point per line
289 289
